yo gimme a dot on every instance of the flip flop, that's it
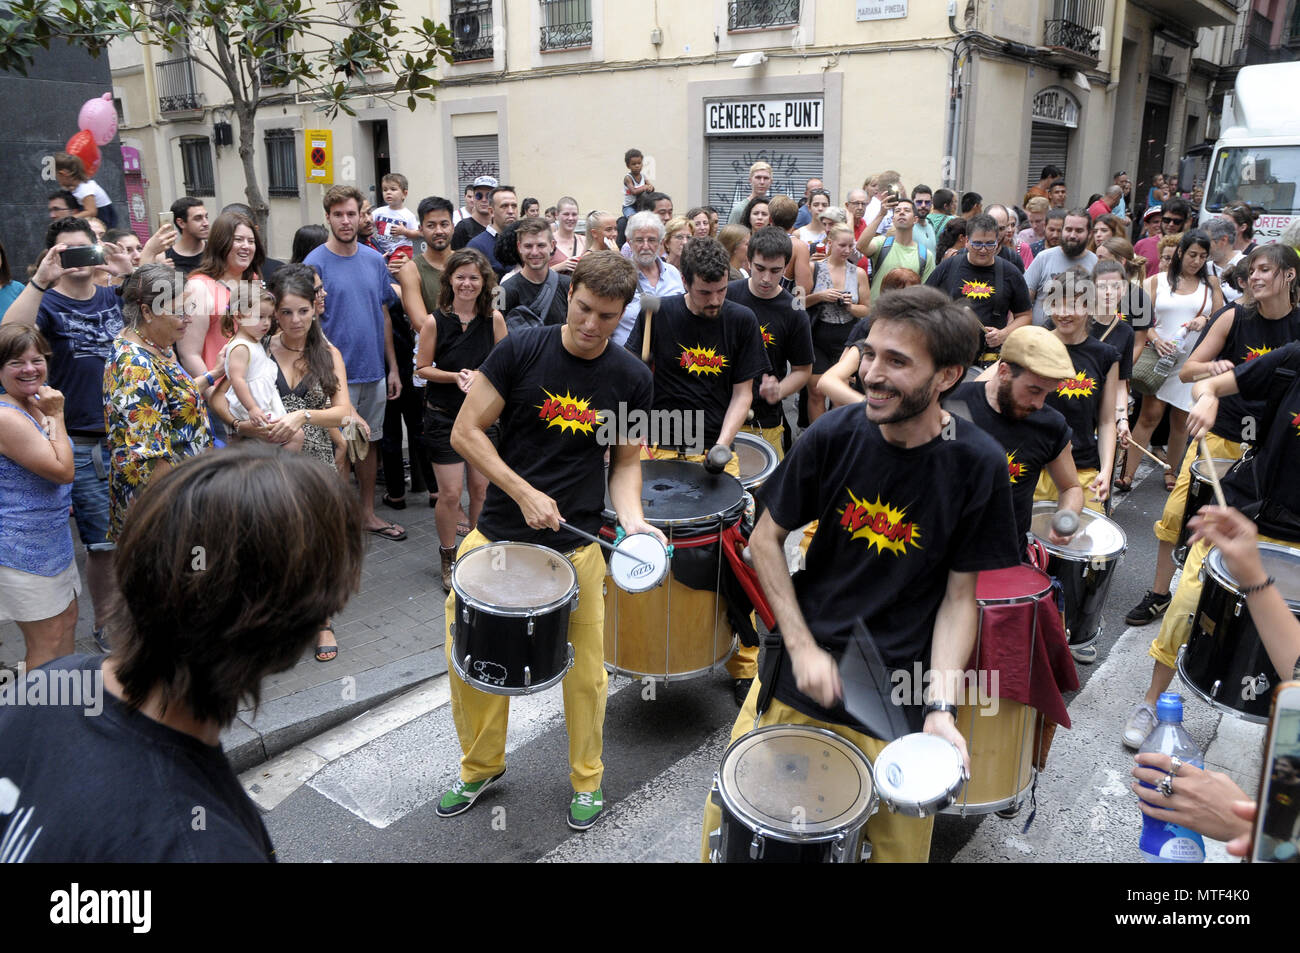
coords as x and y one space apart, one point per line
327 653
389 531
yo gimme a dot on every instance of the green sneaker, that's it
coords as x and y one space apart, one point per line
462 796
585 808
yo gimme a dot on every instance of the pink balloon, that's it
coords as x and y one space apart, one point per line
82 145
99 118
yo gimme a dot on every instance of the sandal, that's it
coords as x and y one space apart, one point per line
1170 481
389 531
1122 485
398 504
327 653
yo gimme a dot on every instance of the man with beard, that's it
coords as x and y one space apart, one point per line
1053 222
1009 407
421 276
655 278
912 504
1071 253
545 293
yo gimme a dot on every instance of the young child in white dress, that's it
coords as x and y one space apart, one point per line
252 372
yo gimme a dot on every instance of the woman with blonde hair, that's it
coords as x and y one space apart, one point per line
735 239
677 233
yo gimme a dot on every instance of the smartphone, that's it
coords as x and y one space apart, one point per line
79 256
165 218
1276 837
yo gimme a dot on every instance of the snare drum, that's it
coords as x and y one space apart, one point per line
1085 567
792 794
678 629
1224 663
918 774
1000 735
1200 491
757 460
510 634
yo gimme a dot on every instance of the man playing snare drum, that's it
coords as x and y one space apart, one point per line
549 387
913 503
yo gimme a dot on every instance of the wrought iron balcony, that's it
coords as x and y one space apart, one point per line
566 24
177 89
761 14
471 25
1073 27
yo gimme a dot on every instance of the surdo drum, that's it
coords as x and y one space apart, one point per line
1085 567
1200 491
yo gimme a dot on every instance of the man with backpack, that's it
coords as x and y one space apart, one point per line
535 295
899 250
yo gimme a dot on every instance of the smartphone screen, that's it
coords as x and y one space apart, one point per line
1277 825
79 256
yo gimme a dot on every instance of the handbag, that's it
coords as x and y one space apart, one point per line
1147 377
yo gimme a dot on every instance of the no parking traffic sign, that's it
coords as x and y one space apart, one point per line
319 147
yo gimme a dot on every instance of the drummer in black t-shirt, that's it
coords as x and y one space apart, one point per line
787 336
913 503
1009 407
549 387
1114 322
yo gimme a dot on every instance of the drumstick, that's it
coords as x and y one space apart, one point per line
1212 470
1133 443
649 305
603 542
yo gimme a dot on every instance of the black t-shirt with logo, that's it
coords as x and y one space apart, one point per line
787 338
1250 338
1030 444
1277 458
558 410
519 290
1119 337
893 523
989 291
698 360
1078 398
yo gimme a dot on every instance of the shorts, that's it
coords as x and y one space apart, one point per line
829 342
436 439
369 401
90 492
27 597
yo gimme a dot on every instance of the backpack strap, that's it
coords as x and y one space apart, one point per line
881 254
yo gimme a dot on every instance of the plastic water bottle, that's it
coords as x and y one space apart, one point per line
1165 362
1163 842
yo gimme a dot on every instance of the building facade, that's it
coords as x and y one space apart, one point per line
548 94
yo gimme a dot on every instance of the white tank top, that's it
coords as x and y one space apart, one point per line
1175 310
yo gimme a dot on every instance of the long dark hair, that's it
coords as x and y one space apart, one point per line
749 207
1191 237
300 281
447 294
307 239
953 232
221 239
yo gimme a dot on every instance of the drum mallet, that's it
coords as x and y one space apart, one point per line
717 459
1212 470
1065 522
603 542
649 305
1144 450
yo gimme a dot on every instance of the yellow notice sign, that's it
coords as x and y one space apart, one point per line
318 145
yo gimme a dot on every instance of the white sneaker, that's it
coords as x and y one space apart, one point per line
1139 726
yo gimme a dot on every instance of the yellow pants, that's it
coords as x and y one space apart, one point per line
658 453
773 436
1177 625
1171 520
895 838
481 718
1046 490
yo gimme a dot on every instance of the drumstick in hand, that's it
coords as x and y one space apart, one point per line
1133 443
1213 472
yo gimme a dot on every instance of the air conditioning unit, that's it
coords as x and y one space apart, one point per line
466 28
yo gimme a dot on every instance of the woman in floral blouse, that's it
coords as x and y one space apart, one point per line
153 411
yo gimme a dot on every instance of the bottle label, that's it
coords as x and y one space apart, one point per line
1184 847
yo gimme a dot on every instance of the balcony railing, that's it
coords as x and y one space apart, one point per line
567 24
761 14
177 90
1074 26
471 25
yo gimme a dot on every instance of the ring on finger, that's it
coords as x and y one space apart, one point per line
1175 763
1167 785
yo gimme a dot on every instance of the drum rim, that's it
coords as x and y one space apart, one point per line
1023 599
859 817
1214 566
458 666
1199 465
515 612
658 580
927 807
1207 699
772 462
1074 555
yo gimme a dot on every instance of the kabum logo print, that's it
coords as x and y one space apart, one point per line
702 360
768 339
569 413
1295 422
1254 352
1080 385
977 289
880 524
1015 470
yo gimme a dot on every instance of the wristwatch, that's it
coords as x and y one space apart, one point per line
306 415
946 707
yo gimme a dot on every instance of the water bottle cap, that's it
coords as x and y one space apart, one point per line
1169 707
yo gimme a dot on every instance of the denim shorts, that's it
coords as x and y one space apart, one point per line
90 492
370 400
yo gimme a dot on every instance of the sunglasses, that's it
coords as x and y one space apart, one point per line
985 245
481 195
1173 221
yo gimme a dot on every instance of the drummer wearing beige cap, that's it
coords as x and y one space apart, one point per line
1007 403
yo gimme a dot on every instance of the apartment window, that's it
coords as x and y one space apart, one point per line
196 160
762 14
566 24
281 164
270 71
471 26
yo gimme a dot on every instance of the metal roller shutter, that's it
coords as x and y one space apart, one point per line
475 156
1048 145
794 160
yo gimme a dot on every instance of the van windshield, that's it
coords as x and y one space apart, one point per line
1264 176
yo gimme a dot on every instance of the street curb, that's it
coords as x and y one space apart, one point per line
285 722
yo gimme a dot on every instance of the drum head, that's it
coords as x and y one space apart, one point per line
632 576
1011 585
757 460
1221 467
675 491
1280 562
796 780
1098 537
514 576
918 771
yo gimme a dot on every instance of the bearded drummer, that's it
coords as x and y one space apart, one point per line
547 387
706 353
912 503
1008 403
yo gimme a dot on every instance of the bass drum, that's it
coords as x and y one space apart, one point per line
1085 567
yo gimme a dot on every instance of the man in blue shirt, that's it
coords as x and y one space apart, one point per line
654 276
505 209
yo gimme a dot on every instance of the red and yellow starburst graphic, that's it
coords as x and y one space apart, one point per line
977 289
568 413
1295 422
768 338
1254 352
880 524
1080 385
1015 470
702 360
